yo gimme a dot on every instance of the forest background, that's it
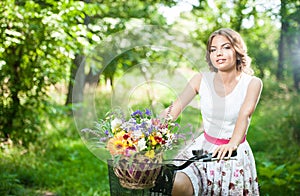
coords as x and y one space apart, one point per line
58 56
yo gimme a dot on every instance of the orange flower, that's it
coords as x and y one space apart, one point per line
116 146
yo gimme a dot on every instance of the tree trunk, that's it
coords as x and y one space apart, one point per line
279 73
77 81
296 64
13 110
281 45
92 78
291 25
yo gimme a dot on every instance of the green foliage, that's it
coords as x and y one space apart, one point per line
279 179
38 54
10 184
274 139
40 40
264 59
59 163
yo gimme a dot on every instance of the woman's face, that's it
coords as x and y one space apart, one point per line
222 54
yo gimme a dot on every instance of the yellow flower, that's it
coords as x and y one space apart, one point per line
120 135
129 143
116 130
150 154
153 141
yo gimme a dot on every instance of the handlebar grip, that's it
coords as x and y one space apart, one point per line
198 153
233 154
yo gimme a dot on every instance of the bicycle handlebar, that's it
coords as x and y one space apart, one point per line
198 157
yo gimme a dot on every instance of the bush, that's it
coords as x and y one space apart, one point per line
274 137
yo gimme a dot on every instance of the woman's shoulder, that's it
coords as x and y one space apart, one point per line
252 78
254 82
198 77
196 81
206 75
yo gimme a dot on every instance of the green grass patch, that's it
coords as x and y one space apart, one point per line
55 164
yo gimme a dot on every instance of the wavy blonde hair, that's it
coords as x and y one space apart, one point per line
243 61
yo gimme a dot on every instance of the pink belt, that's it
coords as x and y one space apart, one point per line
218 141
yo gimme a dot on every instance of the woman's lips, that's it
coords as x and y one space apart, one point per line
220 61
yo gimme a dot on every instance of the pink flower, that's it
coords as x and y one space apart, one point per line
212 172
236 173
130 151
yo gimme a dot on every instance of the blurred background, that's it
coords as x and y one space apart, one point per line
64 64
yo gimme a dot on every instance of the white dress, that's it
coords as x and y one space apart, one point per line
219 114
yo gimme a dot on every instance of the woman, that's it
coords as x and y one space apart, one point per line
228 97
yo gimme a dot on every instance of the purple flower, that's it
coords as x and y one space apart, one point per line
106 132
136 127
148 112
137 113
150 129
103 139
143 125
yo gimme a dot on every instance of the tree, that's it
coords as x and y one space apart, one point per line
282 40
290 40
38 42
112 18
293 41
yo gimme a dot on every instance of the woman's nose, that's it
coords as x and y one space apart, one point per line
219 52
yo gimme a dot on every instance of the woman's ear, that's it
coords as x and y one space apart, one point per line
238 63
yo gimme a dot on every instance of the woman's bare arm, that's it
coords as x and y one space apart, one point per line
242 123
186 96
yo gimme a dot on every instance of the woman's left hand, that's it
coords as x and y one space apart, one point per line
223 149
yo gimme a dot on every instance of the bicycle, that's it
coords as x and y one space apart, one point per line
164 182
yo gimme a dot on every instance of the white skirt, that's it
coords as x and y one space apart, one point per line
225 177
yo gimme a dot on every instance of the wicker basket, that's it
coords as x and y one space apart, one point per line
138 172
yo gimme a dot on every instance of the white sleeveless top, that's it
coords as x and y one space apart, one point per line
219 114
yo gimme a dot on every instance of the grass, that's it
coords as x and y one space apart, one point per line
57 164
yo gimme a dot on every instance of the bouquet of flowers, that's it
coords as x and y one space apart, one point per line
141 133
136 145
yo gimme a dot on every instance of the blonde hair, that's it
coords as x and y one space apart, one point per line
243 61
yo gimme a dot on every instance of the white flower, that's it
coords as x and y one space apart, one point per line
137 134
142 144
165 131
115 123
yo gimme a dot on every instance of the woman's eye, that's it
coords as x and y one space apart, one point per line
212 50
227 47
